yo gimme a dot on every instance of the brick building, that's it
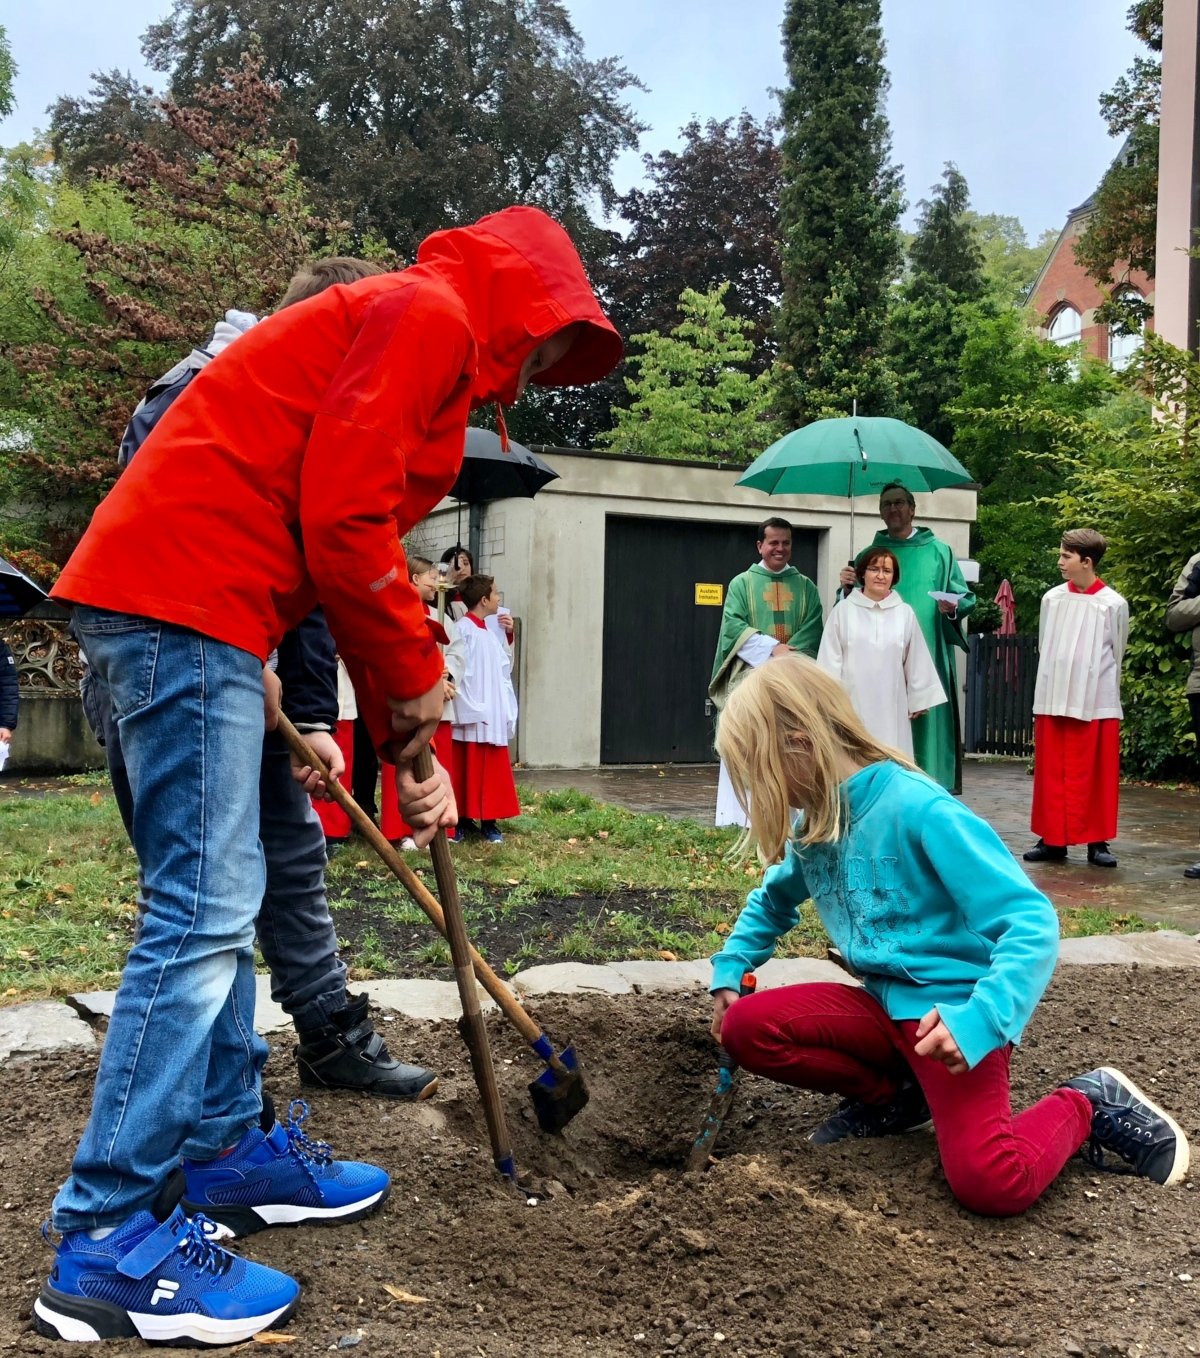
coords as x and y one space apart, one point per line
1064 298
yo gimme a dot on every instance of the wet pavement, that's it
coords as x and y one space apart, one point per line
1157 839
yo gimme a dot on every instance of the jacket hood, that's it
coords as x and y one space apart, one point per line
522 281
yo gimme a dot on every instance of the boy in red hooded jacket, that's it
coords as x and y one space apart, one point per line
287 473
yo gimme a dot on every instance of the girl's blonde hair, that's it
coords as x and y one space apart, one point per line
781 735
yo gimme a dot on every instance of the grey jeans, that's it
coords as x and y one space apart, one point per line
294 926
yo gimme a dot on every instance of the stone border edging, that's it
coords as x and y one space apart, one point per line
45 1026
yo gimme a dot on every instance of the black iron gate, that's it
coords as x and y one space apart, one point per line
1000 676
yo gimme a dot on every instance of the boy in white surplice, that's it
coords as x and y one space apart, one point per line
485 718
1077 708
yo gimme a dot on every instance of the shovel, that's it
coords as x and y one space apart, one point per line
559 1092
722 1099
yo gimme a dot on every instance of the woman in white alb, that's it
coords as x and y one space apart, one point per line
873 644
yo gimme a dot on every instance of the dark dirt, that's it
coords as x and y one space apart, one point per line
523 935
780 1248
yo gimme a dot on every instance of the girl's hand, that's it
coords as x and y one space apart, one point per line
722 999
912 716
934 1041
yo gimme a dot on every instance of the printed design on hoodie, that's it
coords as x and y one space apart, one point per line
863 895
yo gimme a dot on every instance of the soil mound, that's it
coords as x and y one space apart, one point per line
779 1248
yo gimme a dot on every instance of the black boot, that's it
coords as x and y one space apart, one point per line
1045 853
347 1053
1099 855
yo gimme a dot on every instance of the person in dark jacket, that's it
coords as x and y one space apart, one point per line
8 692
338 1045
1183 615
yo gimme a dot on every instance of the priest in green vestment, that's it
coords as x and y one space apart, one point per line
927 563
769 608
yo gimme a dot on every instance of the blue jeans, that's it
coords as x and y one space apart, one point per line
295 929
179 1072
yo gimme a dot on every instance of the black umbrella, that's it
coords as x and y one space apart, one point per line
490 473
18 593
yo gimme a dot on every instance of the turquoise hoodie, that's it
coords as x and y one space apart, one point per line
925 904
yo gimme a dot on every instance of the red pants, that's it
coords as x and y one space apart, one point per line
836 1039
391 822
334 820
1076 779
483 781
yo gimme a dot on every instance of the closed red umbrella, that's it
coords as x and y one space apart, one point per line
1008 610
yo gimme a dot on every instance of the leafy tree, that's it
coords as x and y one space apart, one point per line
693 396
1015 389
839 210
8 74
925 331
945 248
90 135
1010 263
707 214
160 248
1137 480
1120 235
411 116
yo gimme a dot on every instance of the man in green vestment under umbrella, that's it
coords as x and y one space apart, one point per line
769 610
928 565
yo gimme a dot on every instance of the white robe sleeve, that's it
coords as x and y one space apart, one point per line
921 679
757 650
832 653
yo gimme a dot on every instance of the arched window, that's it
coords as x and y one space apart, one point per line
1066 326
1122 345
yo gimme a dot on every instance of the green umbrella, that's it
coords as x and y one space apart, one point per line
853 455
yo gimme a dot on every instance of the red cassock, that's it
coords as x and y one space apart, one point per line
1076 776
483 783
391 822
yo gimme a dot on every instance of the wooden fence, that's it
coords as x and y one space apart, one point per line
1000 677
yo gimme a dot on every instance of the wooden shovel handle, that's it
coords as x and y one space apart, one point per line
416 888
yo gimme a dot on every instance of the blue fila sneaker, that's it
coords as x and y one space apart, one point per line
278 1176
159 1277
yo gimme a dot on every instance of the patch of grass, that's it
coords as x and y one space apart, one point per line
68 888
1085 920
435 953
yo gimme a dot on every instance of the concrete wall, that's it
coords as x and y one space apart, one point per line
52 736
548 558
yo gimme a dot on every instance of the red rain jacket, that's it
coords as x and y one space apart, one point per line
289 470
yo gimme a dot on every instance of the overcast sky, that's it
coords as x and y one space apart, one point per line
1005 88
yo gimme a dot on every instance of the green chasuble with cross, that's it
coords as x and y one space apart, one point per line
781 604
926 562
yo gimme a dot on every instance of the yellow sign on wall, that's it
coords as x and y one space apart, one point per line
710 594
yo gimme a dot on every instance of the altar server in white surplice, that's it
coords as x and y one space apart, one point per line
874 645
485 719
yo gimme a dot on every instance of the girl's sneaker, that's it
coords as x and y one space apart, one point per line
1128 1125
491 832
278 1176
159 1277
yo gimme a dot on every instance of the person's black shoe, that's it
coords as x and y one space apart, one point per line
1045 853
347 1053
907 1112
1099 856
1193 872
1127 1124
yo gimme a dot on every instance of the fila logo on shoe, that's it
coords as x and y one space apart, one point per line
164 1290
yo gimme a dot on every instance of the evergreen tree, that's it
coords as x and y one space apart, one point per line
945 248
692 396
925 330
839 210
